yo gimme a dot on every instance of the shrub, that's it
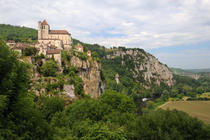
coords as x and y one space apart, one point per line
49 68
29 51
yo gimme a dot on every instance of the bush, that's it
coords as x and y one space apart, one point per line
29 51
82 56
51 105
76 81
49 68
170 125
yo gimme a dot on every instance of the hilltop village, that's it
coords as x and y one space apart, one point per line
56 47
81 71
50 42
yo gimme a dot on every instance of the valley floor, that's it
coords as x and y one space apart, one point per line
199 109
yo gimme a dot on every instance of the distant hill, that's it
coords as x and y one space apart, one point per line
199 70
193 73
17 33
182 72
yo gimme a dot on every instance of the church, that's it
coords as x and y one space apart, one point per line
61 39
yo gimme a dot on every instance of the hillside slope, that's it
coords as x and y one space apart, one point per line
17 33
125 70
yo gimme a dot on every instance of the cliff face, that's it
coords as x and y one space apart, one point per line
144 67
90 73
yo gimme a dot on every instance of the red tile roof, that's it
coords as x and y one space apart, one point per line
11 41
59 32
52 47
49 39
54 51
44 22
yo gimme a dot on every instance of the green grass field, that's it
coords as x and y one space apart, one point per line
199 109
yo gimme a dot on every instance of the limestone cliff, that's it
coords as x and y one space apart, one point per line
90 72
144 67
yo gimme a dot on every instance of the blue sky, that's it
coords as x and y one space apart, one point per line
177 32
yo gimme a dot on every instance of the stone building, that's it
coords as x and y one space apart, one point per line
79 47
10 43
54 53
60 38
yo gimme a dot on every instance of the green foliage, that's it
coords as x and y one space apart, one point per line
49 68
100 50
18 34
90 118
75 80
51 105
119 102
110 69
97 131
19 119
82 56
169 125
29 51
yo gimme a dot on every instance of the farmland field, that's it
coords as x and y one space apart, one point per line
199 109
207 95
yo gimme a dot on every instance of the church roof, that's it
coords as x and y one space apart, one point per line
11 41
59 32
44 22
54 51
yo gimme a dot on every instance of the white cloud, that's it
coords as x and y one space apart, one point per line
149 24
133 23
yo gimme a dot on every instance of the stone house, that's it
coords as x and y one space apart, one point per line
54 53
79 47
11 43
19 47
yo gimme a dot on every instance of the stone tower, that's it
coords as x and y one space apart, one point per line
43 30
59 38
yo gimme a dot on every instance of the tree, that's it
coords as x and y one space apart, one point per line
49 68
117 101
170 125
19 119
50 105
29 51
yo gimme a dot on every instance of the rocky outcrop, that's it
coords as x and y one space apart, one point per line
144 66
90 73
117 78
69 91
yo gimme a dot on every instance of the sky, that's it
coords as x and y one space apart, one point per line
177 32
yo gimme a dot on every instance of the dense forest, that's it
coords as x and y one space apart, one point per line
113 115
17 33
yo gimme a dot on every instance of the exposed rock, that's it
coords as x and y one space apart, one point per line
90 72
69 91
117 78
145 66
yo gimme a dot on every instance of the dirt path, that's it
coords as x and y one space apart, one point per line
163 104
